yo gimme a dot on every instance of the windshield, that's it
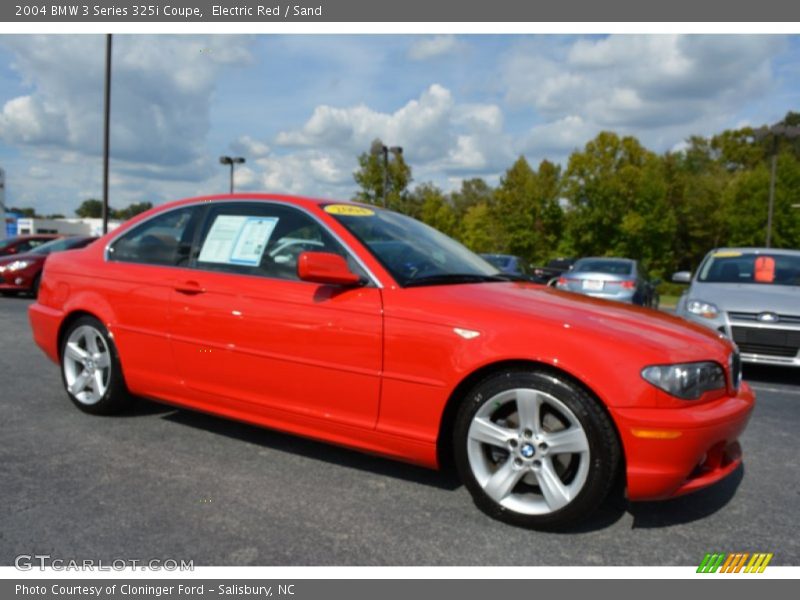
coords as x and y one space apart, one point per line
748 267
599 265
6 243
414 253
62 244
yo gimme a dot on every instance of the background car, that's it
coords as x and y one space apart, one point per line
752 295
22 272
24 243
549 273
508 263
619 279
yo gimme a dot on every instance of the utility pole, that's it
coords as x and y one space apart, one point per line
106 132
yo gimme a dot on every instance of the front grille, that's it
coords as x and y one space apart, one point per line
772 342
753 317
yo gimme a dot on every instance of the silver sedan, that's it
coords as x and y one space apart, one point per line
752 295
619 279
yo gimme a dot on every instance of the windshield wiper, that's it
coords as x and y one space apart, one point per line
453 278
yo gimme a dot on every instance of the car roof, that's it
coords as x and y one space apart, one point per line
758 250
287 198
608 258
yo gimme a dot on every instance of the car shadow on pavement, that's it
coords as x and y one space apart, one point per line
284 442
686 509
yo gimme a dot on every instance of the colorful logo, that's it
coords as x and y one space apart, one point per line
736 562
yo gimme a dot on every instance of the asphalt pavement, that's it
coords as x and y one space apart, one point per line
161 483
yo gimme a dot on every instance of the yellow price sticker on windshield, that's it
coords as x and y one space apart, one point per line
726 254
349 210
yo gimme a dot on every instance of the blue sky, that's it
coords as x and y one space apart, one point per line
301 108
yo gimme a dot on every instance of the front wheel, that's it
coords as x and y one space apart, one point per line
534 449
91 370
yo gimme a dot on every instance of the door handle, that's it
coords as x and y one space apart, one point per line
190 288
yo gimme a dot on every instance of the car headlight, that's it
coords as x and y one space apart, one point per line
704 309
688 381
18 265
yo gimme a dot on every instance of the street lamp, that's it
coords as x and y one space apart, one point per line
379 148
231 160
775 132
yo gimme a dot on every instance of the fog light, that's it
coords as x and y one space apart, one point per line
19 281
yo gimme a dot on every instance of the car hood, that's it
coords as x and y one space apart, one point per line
523 307
749 297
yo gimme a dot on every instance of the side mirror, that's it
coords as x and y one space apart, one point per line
682 277
325 267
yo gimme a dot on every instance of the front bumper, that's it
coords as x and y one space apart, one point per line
15 281
673 451
758 343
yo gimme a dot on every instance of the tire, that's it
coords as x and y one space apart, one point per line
503 457
90 369
35 285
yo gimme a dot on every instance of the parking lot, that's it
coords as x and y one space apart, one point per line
165 483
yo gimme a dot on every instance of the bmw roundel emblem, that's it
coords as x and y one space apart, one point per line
527 450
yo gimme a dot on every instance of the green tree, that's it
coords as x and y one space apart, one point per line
371 178
746 205
527 207
132 210
480 229
91 209
26 212
436 210
617 196
473 191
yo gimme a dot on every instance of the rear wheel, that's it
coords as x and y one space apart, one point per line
91 370
534 449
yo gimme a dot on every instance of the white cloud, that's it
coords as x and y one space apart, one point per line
435 131
161 90
249 147
432 47
642 82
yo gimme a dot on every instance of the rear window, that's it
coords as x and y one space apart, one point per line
599 265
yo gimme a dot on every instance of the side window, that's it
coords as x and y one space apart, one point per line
162 240
261 239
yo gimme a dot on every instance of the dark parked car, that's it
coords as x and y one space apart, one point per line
508 263
620 279
550 273
22 272
25 243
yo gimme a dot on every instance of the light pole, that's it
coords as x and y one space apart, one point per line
106 131
378 148
231 160
775 132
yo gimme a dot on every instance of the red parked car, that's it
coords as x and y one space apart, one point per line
366 328
22 272
24 243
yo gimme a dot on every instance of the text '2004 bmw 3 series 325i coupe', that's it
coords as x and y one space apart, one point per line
365 328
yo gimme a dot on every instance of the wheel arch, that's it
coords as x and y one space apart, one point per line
444 449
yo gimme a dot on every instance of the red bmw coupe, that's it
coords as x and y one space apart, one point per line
366 328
